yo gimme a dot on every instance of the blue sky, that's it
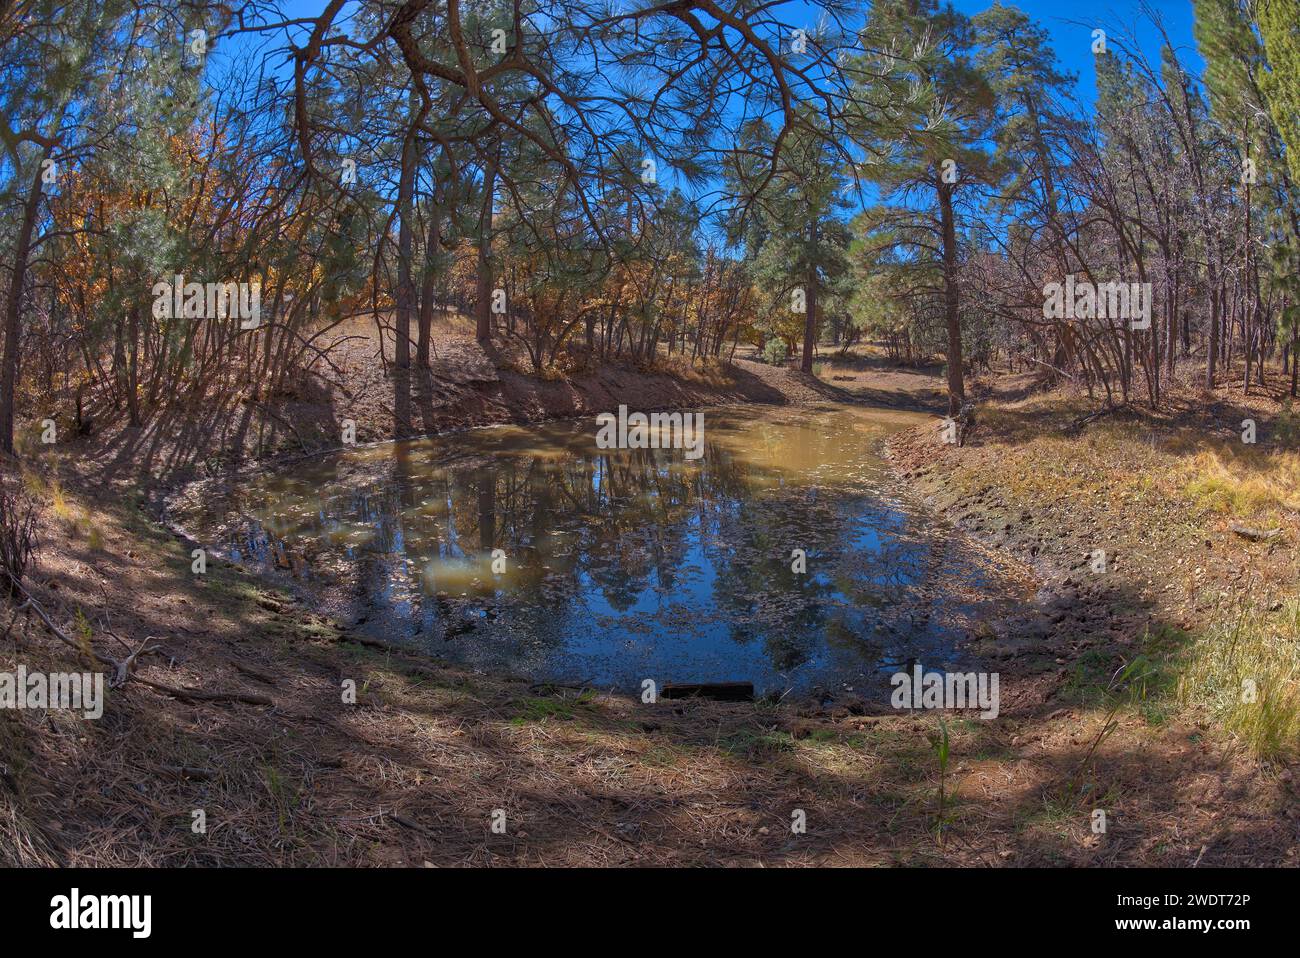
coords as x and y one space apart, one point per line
1069 22
1070 25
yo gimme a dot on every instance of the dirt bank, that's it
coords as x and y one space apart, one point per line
467 385
414 771
257 735
1166 551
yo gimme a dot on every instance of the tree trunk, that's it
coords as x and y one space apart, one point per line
810 314
952 314
405 283
133 366
483 307
13 313
427 287
1247 332
1212 351
1295 355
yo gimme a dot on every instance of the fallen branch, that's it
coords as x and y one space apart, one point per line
189 771
198 695
1082 421
362 640
719 691
1255 535
122 669
412 825
260 676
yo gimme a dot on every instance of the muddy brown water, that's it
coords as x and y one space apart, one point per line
634 564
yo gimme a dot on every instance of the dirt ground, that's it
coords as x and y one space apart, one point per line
256 734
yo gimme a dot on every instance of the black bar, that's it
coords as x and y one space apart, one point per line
491 906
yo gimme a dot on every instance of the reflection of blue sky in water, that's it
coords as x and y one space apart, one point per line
629 564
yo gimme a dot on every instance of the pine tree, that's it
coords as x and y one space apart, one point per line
1253 90
52 74
795 231
1278 25
1016 55
925 116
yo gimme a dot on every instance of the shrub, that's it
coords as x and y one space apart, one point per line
18 510
775 353
1288 425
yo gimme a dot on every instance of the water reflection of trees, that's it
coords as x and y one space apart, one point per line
620 525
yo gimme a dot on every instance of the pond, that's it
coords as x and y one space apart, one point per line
613 566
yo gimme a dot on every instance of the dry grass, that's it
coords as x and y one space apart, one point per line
1243 481
1246 675
706 371
1159 493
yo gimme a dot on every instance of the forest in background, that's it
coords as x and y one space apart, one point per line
606 182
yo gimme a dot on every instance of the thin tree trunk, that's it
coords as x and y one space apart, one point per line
951 309
427 287
810 314
483 307
1212 352
405 232
1295 355
13 313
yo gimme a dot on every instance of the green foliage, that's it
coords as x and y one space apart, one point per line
1015 57
539 709
927 145
1280 76
940 745
795 232
1287 430
775 353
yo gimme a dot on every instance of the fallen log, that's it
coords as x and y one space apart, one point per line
199 695
1255 535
